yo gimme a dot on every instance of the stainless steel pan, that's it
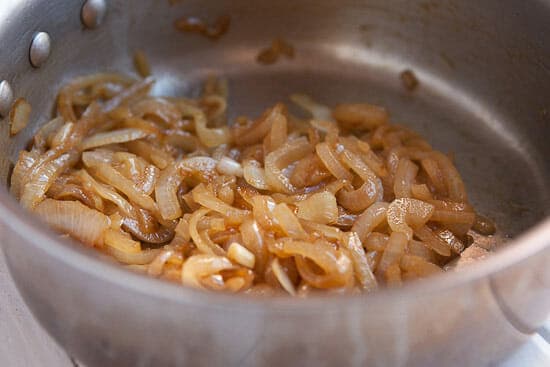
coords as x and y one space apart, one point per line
484 71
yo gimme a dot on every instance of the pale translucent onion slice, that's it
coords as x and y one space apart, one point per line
331 162
326 231
34 190
358 200
205 167
262 210
395 248
200 266
278 160
405 215
277 136
210 137
111 176
372 217
393 276
97 156
156 266
130 94
207 199
20 173
253 240
68 92
112 137
46 131
230 167
62 135
419 266
288 222
203 243
241 255
420 249
362 270
153 154
254 174
106 193
121 241
139 258
320 207
404 178
166 190
282 277
20 115
75 219
376 241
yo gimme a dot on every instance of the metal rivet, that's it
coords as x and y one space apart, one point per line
40 49
93 12
6 97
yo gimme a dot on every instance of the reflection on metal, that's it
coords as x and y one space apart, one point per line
93 12
6 98
40 49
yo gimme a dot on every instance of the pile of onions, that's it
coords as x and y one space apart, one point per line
341 201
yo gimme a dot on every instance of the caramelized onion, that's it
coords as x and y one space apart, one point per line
358 200
210 137
281 158
274 203
436 243
336 267
360 116
159 237
259 129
